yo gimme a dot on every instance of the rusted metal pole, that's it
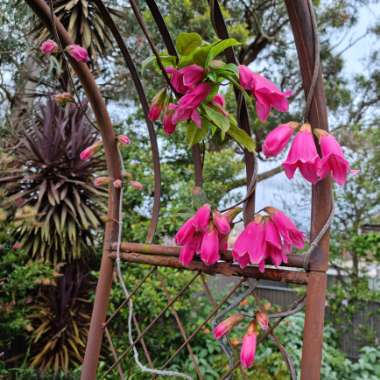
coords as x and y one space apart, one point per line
304 35
114 169
294 261
276 274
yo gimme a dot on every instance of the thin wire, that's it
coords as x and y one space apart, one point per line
130 303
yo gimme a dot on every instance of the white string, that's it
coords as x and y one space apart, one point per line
130 302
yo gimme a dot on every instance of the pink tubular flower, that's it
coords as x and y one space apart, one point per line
192 75
48 47
188 251
248 348
221 223
87 153
124 139
226 326
263 320
269 237
204 235
209 249
202 217
187 106
333 160
266 93
273 245
278 138
287 229
78 53
185 79
303 155
249 247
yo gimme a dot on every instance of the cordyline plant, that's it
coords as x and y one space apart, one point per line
59 320
58 209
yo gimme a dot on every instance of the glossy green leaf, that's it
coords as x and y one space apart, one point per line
241 137
219 48
187 42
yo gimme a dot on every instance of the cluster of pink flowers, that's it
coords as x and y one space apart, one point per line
192 91
270 237
248 347
77 52
266 94
205 233
303 154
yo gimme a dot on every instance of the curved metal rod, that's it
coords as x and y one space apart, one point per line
41 9
164 31
145 106
220 27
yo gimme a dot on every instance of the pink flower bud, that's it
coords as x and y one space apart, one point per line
136 185
124 139
117 184
78 53
63 98
48 47
154 112
157 105
277 139
248 348
87 153
16 246
226 326
221 223
101 181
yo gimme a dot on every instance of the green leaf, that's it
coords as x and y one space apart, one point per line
167 60
195 134
218 119
200 55
219 47
241 137
187 42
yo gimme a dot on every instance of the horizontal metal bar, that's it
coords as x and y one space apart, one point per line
227 269
294 261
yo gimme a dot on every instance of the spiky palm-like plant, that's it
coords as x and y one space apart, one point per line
57 185
84 23
59 319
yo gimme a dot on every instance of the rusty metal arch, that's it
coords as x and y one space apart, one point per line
310 271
